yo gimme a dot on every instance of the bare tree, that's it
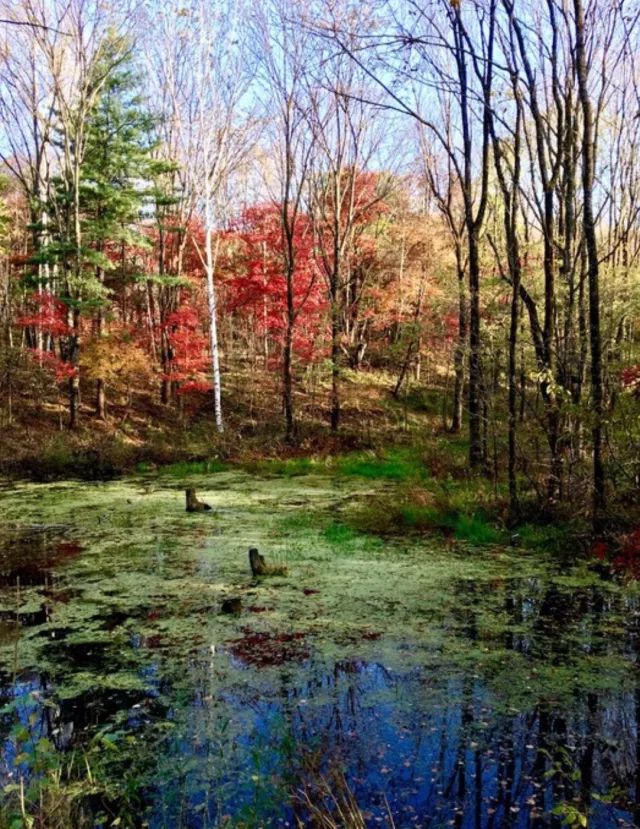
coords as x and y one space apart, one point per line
201 56
285 52
346 142
434 39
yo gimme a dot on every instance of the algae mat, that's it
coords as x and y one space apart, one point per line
466 687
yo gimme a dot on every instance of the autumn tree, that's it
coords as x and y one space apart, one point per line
204 106
285 54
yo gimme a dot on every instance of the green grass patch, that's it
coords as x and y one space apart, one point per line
339 534
394 465
476 529
454 516
183 469
287 468
399 465
547 537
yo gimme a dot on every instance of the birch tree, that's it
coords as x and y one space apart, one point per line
200 53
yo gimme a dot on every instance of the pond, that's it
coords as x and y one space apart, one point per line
452 686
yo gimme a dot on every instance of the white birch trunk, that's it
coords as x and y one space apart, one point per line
210 264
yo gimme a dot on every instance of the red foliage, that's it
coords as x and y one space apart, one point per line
630 378
48 314
627 561
189 356
600 550
626 558
179 242
59 368
359 197
194 386
259 290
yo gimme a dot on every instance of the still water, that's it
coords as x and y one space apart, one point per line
451 686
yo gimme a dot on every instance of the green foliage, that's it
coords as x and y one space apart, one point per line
60 790
114 157
571 816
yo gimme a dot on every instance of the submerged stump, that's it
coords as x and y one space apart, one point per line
259 566
193 504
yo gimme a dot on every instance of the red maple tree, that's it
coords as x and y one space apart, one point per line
258 285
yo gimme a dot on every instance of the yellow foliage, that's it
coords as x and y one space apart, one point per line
117 362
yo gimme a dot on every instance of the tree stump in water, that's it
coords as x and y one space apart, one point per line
257 562
259 566
193 504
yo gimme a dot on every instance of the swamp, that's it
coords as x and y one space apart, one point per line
445 685
319 414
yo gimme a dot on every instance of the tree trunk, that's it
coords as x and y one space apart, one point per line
287 381
213 328
589 226
74 380
101 400
461 345
476 454
335 357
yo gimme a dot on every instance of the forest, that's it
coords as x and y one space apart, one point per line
364 277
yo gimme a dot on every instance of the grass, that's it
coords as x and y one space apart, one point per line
393 465
338 534
389 517
329 803
552 537
287 467
182 469
397 464
434 493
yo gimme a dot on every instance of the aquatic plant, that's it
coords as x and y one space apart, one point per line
328 802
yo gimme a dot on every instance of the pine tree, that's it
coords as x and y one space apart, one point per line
95 200
116 174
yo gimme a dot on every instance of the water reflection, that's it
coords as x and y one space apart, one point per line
518 702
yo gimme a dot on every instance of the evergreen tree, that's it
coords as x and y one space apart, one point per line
115 179
95 200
